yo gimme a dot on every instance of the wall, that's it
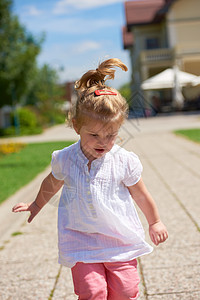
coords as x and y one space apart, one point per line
183 25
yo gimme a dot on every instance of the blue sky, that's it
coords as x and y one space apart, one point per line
79 33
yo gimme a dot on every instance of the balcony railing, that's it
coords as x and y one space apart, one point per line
156 55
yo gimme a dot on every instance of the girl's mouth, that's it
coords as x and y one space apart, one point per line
99 150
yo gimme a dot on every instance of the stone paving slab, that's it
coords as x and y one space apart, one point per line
173 280
64 289
167 257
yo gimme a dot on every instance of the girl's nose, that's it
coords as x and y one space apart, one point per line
102 141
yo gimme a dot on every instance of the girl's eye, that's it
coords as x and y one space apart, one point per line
112 135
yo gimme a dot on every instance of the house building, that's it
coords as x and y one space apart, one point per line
5 119
69 95
160 34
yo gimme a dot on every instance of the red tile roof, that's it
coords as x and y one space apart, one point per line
142 11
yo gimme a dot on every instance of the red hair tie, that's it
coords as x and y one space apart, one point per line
104 92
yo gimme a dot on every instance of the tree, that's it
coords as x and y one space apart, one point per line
46 94
18 52
21 80
44 87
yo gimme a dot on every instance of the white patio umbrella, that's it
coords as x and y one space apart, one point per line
165 80
196 81
177 96
193 92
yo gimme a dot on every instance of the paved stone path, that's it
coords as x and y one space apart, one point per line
28 252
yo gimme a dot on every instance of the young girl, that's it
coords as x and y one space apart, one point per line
99 232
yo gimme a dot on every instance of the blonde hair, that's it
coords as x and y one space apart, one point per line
107 107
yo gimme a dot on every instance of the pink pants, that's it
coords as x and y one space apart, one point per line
102 281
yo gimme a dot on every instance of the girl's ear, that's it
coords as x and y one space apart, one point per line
75 126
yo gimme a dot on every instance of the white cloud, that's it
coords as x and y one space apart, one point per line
65 6
86 46
31 10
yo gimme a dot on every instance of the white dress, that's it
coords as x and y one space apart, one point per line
97 219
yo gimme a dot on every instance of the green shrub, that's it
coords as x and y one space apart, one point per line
28 123
27 118
11 131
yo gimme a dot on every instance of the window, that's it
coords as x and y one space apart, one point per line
152 43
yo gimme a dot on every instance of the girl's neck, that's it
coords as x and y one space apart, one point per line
89 165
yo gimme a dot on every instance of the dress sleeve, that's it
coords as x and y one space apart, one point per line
133 170
57 165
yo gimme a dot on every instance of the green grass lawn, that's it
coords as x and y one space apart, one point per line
18 169
192 134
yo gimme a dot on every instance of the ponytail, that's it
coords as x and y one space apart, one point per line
98 77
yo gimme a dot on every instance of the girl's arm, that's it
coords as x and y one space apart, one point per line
157 230
49 187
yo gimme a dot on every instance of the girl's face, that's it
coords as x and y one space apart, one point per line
97 138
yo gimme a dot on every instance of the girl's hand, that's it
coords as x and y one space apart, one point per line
32 207
158 233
